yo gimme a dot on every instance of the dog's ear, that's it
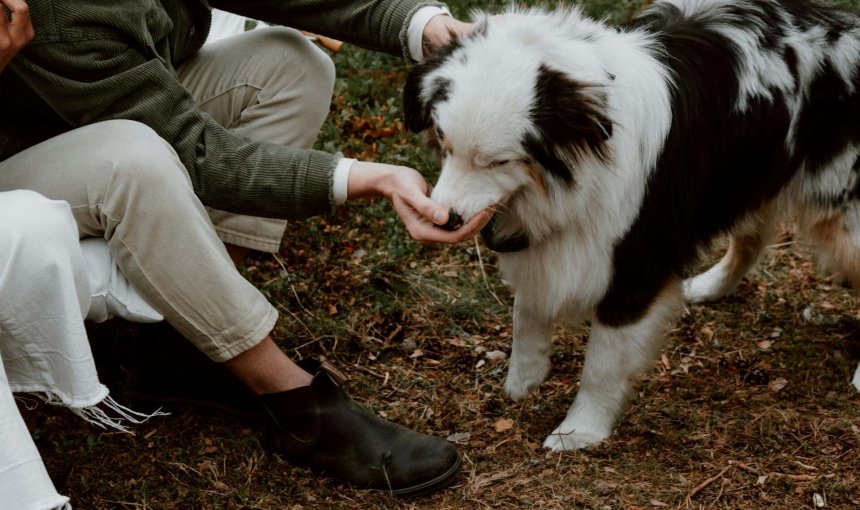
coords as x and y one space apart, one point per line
418 102
416 109
570 119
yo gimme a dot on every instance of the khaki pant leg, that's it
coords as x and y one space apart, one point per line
268 85
125 183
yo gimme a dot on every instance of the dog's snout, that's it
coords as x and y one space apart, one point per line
454 222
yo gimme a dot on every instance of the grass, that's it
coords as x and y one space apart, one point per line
749 406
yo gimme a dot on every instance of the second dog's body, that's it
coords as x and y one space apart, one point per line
617 155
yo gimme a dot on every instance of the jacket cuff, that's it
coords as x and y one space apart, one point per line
417 24
316 196
407 10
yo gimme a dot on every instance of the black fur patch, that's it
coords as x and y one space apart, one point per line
570 117
517 242
418 112
830 121
717 165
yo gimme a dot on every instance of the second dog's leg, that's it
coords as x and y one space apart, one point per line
745 248
531 350
856 380
614 357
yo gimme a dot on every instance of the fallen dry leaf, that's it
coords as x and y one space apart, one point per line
495 355
778 384
503 424
708 333
458 437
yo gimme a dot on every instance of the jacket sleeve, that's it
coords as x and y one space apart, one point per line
94 80
379 25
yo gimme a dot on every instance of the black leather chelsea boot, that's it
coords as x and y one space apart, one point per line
321 427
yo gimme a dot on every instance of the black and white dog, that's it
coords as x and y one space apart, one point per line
617 154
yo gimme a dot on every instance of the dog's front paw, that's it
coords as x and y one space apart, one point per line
707 287
565 438
525 378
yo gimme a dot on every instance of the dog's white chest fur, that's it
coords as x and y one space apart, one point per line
564 277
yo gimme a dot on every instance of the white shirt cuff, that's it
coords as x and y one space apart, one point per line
415 32
340 186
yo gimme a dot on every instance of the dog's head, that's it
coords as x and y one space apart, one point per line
510 110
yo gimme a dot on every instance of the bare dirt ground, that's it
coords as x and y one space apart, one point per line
749 406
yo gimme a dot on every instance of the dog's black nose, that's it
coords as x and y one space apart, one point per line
454 222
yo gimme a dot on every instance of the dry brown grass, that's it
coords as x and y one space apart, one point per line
749 407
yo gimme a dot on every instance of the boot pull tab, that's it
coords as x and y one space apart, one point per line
336 375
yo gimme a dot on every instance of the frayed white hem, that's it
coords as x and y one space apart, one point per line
108 413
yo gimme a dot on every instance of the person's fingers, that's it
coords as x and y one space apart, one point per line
426 232
430 210
20 27
473 226
462 28
4 26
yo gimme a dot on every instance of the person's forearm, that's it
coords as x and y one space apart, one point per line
228 172
375 24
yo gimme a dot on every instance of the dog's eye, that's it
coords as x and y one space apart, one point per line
500 162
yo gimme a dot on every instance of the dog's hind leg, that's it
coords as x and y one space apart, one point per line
613 359
531 350
746 244
837 240
856 380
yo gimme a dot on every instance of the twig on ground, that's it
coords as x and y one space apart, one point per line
484 273
292 287
695 490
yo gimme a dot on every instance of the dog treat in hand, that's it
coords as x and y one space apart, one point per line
454 221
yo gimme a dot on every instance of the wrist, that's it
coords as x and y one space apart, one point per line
369 180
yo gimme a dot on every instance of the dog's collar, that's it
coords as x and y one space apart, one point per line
514 243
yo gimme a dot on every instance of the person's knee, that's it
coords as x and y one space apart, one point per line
16 203
320 76
29 212
143 159
34 224
306 66
323 70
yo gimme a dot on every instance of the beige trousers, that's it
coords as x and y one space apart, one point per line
125 183
269 85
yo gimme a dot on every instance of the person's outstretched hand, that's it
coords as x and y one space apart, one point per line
440 30
407 190
15 31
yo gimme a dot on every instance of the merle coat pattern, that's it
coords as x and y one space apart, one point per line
616 155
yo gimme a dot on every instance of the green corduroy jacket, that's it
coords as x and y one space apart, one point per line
95 60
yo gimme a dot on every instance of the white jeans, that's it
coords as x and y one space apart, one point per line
48 282
44 294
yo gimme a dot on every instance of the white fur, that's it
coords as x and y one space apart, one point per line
567 271
856 380
573 230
